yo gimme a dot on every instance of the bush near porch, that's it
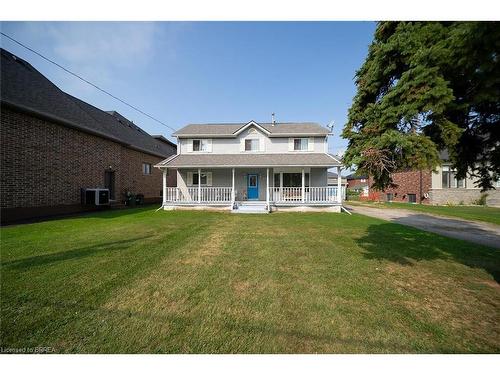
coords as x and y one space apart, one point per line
140 281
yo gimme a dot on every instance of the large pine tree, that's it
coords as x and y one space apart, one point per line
427 87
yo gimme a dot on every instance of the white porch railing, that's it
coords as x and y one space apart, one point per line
201 195
325 194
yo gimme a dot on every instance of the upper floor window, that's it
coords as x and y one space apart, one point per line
251 145
301 144
201 145
146 168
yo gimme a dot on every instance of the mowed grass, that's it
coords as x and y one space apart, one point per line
139 281
478 213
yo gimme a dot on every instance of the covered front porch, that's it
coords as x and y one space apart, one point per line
269 186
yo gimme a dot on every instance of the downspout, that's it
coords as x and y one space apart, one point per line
420 195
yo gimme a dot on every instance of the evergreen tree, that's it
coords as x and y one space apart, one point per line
426 87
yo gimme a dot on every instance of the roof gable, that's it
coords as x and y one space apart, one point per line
249 124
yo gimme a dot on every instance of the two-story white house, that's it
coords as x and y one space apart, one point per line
252 167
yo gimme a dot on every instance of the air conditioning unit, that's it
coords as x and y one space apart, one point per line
95 197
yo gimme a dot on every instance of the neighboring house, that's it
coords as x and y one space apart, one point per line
53 144
252 166
332 181
358 183
437 187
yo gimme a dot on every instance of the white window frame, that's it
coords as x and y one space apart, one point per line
146 169
302 140
190 178
253 141
205 145
308 140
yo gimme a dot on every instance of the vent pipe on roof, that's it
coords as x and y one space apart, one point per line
273 120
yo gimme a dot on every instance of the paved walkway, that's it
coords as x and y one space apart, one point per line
473 231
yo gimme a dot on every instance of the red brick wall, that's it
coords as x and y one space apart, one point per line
45 164
353 183
407 183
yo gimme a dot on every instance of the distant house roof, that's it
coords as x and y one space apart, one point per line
27 90
230 130
249 160
333 176
354 176
161 138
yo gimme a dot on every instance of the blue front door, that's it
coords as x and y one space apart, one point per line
253 186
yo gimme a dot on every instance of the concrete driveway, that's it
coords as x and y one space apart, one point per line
473 231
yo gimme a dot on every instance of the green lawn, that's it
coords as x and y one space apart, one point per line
211 282
479 213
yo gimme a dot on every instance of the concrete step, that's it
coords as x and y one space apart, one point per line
250 208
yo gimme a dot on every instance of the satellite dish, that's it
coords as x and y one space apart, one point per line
330 126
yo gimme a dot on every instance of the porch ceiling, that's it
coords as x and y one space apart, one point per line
250 160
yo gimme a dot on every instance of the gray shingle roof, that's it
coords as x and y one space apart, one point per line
25 88
251 160
229 129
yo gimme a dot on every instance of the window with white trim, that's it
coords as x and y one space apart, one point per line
200 145
300 144
146 168
193 178
251 144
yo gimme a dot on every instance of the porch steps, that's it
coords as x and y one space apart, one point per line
250 208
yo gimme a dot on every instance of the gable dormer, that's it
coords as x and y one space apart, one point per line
253 138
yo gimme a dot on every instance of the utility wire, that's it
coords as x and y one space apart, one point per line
86 81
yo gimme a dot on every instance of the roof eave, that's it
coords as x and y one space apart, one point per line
45 116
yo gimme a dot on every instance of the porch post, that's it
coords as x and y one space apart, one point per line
199 185
303 186
281 186
233 198
164 185
339 185
267 187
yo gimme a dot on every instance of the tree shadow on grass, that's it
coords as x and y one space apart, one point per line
405 245
81 252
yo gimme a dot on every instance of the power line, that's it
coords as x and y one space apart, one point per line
86 81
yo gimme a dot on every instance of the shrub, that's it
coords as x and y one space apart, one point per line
481 201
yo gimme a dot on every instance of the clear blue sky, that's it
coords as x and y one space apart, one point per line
189 72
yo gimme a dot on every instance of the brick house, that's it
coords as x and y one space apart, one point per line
435 187
53 144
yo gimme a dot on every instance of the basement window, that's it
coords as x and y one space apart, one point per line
412 198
